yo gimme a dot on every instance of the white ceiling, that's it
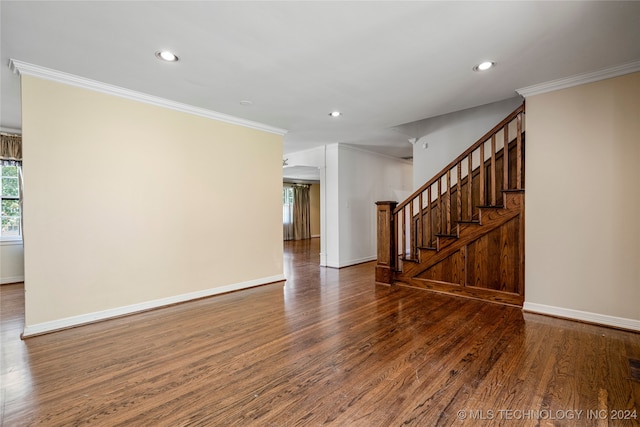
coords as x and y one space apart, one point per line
382 64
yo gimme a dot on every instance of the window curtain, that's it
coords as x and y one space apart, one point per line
287 212
296 211
301 212
10 149
11 155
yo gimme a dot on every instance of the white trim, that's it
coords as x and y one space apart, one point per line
68 322
313 236
585 316
8 241
323 260
352 262
21 68
12 279
579 79
358 261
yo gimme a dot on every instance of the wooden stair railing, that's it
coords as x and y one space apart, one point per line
432 215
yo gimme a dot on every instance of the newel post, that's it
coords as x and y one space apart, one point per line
386 237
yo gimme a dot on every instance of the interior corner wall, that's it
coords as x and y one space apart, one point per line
449 135
582 201
365 178
126 203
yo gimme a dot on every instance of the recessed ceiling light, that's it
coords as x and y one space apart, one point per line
335 114
484 66
246 103
165 55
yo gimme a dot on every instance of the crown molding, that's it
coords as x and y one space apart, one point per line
579 79
24 68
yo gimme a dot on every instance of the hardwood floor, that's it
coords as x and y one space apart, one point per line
329 347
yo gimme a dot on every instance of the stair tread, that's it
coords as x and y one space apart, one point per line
491 206
512 190
428 248
447 235
473 221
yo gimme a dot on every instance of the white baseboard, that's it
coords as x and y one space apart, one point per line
313 236
585 316
68 322
351 262
14 279
358 261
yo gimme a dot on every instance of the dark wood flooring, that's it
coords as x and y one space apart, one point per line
329 347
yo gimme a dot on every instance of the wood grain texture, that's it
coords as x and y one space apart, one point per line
469 187
505 159
439 207
482 180
429 220
483 260
386 258
500 270
420 221
412 235
447 214
492 168
518 112
327 348
488 220
494 261
458 215
519 155
450 270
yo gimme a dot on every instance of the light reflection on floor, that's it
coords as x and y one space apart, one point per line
15 372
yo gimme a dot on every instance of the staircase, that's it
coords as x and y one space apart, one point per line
462 232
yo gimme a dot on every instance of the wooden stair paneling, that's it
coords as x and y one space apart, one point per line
463 291
490 220
484 262
462 232
499 272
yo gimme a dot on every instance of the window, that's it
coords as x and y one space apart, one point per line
295 211
287 205
10 214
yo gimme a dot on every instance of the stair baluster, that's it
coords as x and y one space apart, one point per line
493 170
505 157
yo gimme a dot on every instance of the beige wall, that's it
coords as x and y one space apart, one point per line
583 198
127 202
314 216
11 262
